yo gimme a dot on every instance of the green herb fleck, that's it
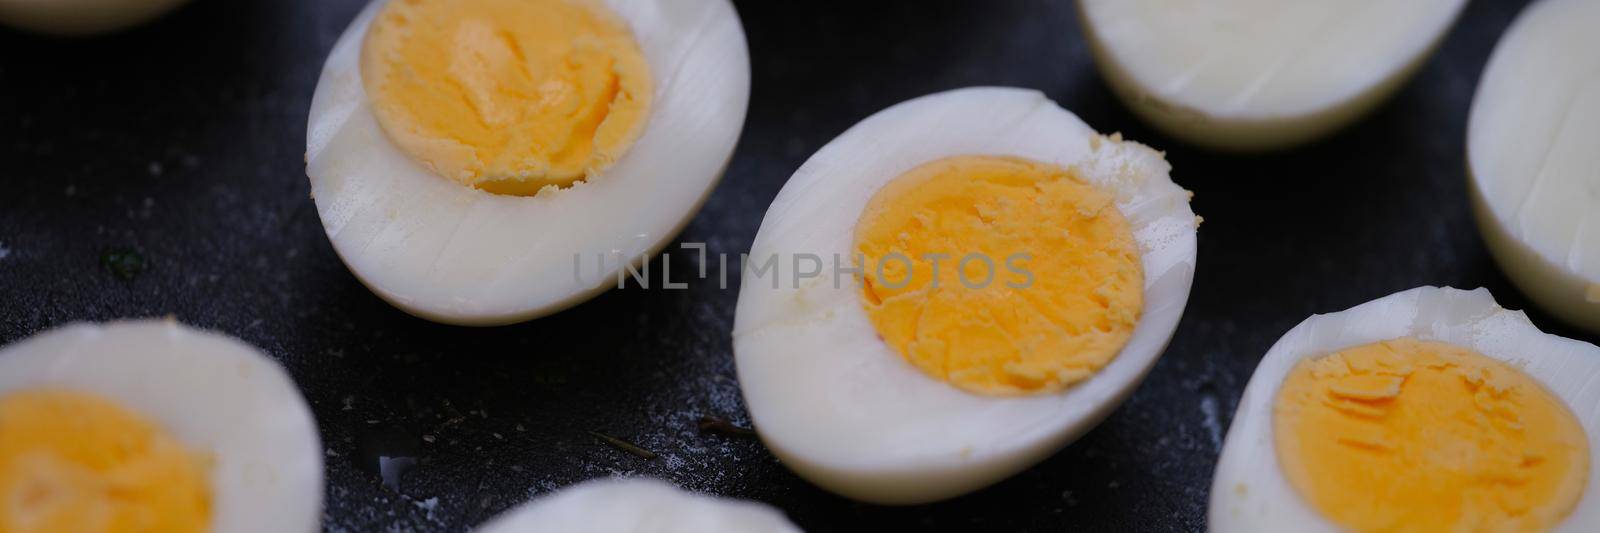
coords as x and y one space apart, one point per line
124 263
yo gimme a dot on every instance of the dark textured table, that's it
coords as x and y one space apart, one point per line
159 172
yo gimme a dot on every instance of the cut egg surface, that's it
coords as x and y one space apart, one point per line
484 162
1260 74
1433 409
955 288
153 426
628 505
1533 163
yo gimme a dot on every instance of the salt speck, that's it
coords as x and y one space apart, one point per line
349 402
390 469
1212 420
155 168
7 251
428 506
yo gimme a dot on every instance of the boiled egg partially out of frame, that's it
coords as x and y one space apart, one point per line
1533 151
1433 409
624 505
153 426
1015 275
81 17
484 162
1260 74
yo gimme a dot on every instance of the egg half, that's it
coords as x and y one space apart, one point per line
1260 74
627 505
955 288
1433 409
81 17
484 162
1533 163
153 426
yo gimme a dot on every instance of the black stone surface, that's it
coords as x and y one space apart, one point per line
159 172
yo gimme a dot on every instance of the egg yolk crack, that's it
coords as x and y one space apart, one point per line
999 275
77 462
509 96
1412 435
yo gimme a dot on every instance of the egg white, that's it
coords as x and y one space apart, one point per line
842 408
1250 492
81 17
634 505
213 393
451 253
1260 74
1532 158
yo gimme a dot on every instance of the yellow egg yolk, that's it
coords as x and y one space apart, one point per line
1064 289
509 96
1411 435
78 462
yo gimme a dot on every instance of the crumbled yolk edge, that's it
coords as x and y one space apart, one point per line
1412 435
509 96
1067 284
78 462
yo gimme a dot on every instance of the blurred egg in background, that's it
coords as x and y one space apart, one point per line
81 17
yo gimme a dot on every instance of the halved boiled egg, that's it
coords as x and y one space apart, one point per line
81 17
955 288
484 162
153 426
1260 74
1433 409
623 505
1533 160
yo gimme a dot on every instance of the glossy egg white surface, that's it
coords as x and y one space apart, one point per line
455 254
1250 493
636 506
1260 74
1533 144
213 393
81 17
837 404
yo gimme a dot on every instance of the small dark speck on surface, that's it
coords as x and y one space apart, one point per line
124 263
721 426
623 445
